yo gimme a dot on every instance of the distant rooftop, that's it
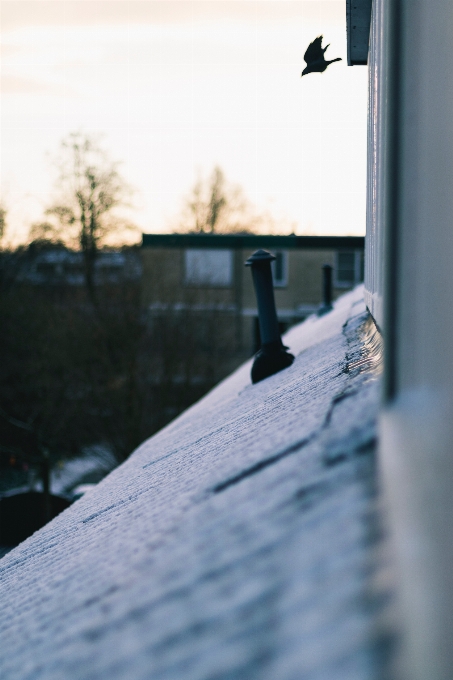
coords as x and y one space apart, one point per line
56 265
252 241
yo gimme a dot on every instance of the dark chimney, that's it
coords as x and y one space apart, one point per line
326 290
272 357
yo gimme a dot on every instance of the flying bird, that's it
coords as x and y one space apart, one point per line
314 57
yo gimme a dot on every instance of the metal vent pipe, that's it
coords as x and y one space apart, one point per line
326 289
272 357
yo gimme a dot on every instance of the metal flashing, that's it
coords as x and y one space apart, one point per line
239 241
358 20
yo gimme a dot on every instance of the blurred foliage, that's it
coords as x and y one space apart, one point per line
90 191
74 375
2 221
214 205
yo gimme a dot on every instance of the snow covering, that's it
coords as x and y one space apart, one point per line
235 544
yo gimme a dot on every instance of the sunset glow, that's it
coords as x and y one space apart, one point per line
176 87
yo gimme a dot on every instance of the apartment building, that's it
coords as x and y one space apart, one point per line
204 275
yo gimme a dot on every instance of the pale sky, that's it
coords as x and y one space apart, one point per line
177 87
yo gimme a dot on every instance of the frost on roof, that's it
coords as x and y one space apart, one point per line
237 543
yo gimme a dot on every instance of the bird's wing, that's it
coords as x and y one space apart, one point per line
314 51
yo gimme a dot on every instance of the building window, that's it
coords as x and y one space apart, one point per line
208 267
280 269
348 268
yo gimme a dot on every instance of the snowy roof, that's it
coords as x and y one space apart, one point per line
236 543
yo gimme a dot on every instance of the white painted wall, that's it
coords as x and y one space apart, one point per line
417 422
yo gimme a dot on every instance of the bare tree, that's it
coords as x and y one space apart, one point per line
214 205
2 221
217 206
90 189
217 200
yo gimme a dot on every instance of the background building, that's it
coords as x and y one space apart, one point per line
203 275
61 266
